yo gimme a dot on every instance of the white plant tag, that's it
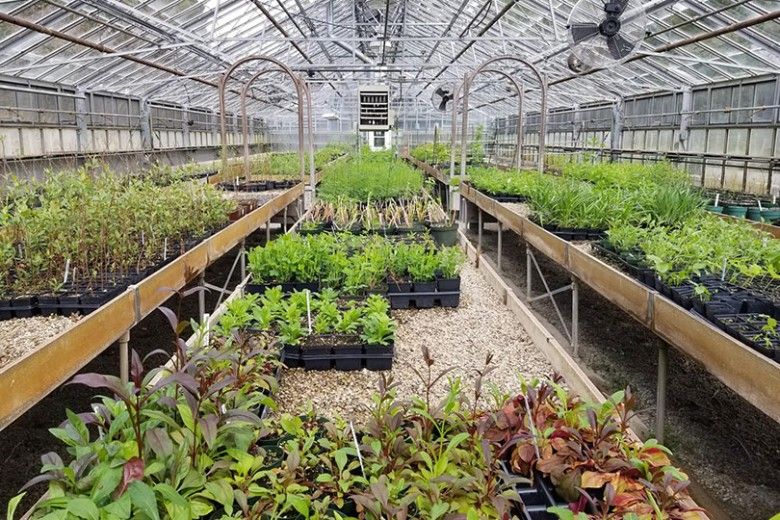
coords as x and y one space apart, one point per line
67 271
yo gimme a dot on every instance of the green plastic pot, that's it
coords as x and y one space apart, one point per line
754 213
736 211
771 214
715 209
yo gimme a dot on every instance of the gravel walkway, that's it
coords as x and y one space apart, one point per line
459 338
22 335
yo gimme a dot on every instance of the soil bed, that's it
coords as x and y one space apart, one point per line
457 338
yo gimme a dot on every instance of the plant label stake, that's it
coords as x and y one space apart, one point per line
67 271
723 270
165 249
759 205
357 449
143 239
308 308
717 199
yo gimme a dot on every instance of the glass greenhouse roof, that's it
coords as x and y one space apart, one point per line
112 45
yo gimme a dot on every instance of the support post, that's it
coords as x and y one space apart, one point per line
500 244
242 252
145 119
686 113
124 357
82 132
202 295
479 234
185 127
616 131
575 316
267 230
528 271
660 412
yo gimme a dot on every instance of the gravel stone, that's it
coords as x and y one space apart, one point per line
458 339
23 335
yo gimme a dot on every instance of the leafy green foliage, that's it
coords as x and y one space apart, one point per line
350 262
702 245
102 224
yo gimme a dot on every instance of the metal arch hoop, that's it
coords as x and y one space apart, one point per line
543 117
517 160
303 94
245 123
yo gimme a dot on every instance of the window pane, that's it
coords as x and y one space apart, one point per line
721 99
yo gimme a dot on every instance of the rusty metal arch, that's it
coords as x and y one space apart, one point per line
517 160
543 116
303 94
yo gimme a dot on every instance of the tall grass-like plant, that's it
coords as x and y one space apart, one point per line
375 176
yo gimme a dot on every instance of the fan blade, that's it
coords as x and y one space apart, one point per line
443 105
619 47
583 31
441 92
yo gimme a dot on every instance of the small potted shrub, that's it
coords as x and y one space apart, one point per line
378 334
348 349
450 262
422 270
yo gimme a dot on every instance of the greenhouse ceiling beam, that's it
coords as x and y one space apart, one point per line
723 17
118 54
156 26
446 31
507 7
752 68
32 26
312 28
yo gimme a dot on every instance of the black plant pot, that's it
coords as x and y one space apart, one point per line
400 301
758 305
70 303
445 236
316 358
291 356
49 304
24 306
348 357
448 284
424 294
6 310
379 357
94 300
683 295
396 287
